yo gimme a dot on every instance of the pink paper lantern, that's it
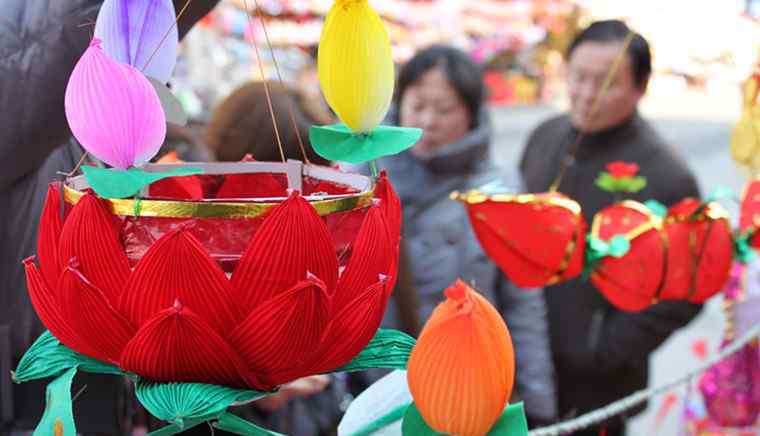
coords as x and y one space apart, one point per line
113 110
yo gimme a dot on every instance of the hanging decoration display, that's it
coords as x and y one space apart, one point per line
636 254
633 255
194 280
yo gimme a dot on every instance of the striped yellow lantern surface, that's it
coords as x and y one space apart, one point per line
356 65
745 137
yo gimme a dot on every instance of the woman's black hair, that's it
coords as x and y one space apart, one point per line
616 31
465 76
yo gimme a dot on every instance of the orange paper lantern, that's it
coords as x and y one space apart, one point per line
461 371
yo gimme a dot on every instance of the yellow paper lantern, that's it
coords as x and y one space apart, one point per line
356 65
745 137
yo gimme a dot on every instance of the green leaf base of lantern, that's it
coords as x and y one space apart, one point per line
116 183
339 143
182 405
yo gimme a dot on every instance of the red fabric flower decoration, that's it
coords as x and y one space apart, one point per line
620 169
286 312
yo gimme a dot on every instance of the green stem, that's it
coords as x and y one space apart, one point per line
373 167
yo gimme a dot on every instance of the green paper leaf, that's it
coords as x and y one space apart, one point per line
388 349
656 208
511 423
720 193
235 424
180 403
48 357
596 249
743 250
414 424
608 183
597 245
618 246
116 183
339 143
634 184
58 418
173 429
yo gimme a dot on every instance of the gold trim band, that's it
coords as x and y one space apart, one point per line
476 197
195 209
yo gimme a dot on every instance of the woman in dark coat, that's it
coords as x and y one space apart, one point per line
440 90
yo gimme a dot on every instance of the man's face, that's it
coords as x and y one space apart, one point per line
588 67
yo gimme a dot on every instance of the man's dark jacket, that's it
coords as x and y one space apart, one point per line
40 42
602 354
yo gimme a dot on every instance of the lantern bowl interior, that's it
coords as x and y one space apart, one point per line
223 206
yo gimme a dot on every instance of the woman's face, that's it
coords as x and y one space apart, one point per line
433 105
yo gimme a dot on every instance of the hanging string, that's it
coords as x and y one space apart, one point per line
279 78
263 78
166 35
78 165
594 109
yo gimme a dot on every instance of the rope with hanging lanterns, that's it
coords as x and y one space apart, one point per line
618 407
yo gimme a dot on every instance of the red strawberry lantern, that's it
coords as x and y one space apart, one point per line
700 250
141 283
536 239
633 279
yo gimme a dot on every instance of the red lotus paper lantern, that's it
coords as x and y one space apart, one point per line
141 283
700 251
536 239
633 281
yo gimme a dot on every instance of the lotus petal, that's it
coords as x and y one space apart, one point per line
371 256
277 257
178 267
390 204
48 234
281 333
90 235
177 345
91 316
352 328
49 310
